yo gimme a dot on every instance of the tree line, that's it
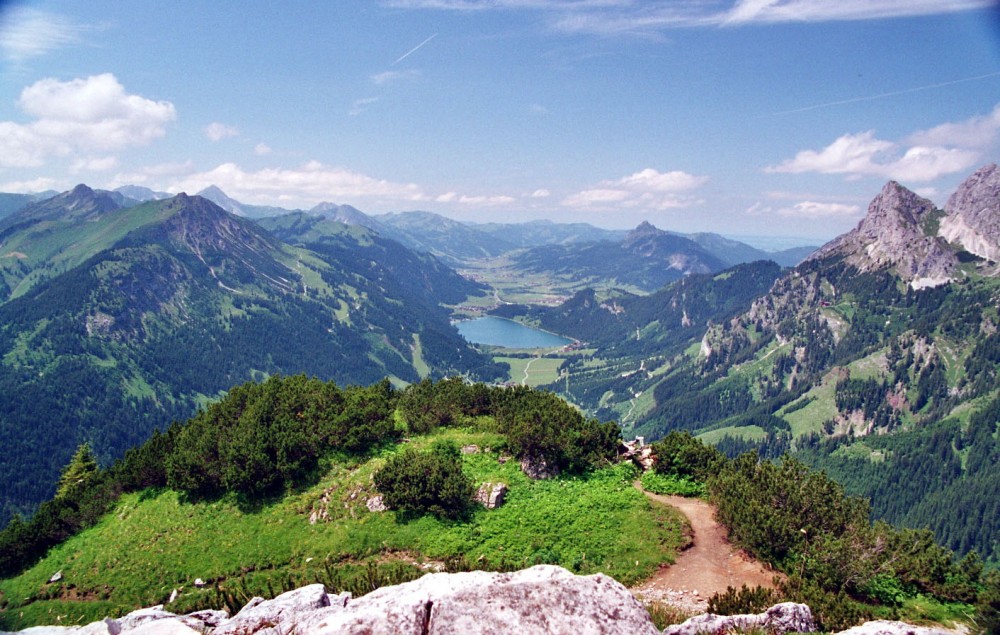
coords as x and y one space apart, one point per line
264 439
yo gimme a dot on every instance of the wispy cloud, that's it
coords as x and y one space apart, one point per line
308 184
216 131
806 209
360 105
477 200
626 17
151 174
26 33
388 77
772 11
39 184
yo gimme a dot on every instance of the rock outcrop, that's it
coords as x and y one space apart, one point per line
882 627
543 599
786 617
973 219
898 232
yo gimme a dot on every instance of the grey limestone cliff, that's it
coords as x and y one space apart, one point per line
973 214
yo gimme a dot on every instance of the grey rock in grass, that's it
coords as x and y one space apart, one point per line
787 617
491 495
538 468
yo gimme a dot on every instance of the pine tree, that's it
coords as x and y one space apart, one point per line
81 468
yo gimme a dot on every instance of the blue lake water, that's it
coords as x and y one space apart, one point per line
494 331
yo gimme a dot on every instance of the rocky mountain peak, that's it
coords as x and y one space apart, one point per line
644 230
79 204
897 233
973 219
220 198
347 214
677 252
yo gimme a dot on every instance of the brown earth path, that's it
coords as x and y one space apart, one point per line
708 566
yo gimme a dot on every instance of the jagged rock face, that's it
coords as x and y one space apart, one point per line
892 235
973 219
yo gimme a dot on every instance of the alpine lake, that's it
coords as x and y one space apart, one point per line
504 333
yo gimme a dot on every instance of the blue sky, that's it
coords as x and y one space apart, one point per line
743 117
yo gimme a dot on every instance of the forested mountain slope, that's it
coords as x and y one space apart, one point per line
877 358
630 343
143 313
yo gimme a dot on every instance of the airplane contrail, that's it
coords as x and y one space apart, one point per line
413 50
884 95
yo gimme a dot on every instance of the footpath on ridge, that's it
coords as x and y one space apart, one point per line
708 566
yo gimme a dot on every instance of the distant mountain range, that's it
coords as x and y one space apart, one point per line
454 242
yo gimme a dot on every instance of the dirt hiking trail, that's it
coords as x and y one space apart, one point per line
708 566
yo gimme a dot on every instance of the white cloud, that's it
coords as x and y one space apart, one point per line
80 116
360 105
812 209
308 184
477 200
807 209
150 173
650 179
772 11
862 154
388 77
26 33
541 193
975 132
595 197
216 131
40 184
649 189
487 201
94 164
261 149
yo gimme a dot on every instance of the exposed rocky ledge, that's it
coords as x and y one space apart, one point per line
542 599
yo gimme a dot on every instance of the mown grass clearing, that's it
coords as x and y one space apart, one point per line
534 371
